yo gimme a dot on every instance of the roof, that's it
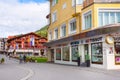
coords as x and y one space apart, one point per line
22 35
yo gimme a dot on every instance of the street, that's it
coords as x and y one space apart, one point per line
12 70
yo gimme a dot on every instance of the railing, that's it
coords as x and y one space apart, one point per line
106 0
88 2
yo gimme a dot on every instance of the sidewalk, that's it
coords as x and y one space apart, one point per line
103 71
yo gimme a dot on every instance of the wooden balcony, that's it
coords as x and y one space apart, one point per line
89 2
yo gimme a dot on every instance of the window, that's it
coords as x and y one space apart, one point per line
50 35
54 2
58 54
79 2
56 33
87 20
63 30
54 16
73 3
108 17
96 52
66 55
64 6
72 28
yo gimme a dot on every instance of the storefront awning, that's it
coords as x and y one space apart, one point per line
108 29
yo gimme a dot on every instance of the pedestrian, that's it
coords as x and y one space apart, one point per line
24 58
20 58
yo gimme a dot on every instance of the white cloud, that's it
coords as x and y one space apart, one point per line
17 18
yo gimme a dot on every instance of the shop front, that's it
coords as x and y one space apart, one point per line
101 45
67 53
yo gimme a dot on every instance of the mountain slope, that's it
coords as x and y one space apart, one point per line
42 32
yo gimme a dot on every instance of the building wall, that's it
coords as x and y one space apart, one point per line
64 16
95 9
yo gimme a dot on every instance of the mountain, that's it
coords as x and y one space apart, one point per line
42 32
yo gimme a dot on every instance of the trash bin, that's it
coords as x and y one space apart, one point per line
78 61
88 63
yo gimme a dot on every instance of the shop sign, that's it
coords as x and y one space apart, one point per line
109 40
74 43
96 39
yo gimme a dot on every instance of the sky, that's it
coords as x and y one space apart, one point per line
22 16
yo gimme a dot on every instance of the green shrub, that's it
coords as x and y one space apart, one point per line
37 59
2 60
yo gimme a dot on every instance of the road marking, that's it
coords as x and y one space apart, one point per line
30 74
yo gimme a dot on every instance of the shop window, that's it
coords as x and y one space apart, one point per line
96 53
66 54
117 55
74 53
58 54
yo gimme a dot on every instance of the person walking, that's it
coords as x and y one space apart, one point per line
24 58
20 58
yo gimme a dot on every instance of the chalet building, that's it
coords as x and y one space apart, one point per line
88 27
30 44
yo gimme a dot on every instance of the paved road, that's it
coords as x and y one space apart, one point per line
12 70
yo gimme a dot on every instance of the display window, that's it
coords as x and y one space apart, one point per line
96 53
66 53
58 54
74 53
117 54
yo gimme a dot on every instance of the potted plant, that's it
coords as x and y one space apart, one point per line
2 60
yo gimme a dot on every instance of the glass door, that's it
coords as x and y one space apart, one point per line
86 50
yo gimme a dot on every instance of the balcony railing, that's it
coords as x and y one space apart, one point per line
89 2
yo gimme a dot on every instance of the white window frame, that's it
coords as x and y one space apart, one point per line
83 19
54 16
107 10
72 20
55 37
54 2
64 6
73 3
78 2
63 25
50 35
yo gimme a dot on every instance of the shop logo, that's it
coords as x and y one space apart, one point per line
109 40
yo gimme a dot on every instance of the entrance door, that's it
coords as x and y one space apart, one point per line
86 50
75 53
52 55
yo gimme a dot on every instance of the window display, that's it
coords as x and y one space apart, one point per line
58 54
74 53
117 55
97 55
66 54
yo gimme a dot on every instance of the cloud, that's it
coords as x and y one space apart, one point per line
17 18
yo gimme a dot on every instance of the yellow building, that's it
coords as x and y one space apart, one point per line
85 28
